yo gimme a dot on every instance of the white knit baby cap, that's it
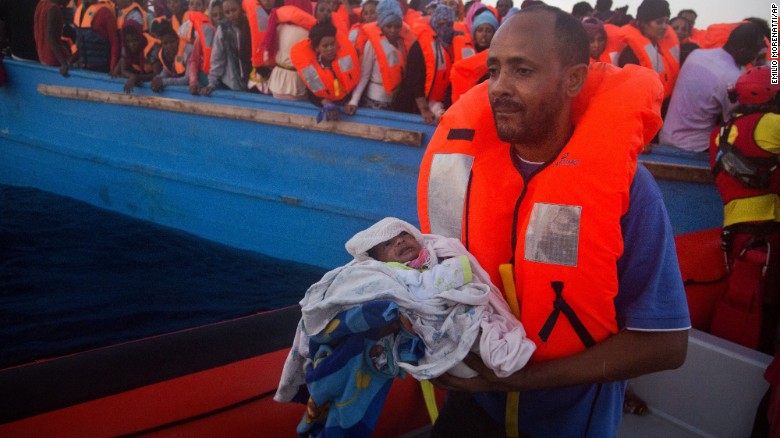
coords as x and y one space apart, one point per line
381 231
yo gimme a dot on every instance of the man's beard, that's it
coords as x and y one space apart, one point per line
535 127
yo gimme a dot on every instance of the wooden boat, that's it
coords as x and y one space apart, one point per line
259 174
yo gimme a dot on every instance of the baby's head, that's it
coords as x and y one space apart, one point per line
389 240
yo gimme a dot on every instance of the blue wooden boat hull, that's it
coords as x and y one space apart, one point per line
291 191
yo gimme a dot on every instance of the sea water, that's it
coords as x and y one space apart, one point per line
75 277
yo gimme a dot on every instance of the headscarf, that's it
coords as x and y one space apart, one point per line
382 231
442 20
649 10
388 11
486 17
593 26
474 10
270 43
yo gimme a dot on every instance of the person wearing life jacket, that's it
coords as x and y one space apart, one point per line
682 28
231 58
287 25
745 156
383 62
472 70
700 99
198 29
178 67
565 227
130 10
139 62
426 84
49 22
652 43
258 13
357 35
342 15
97 38
177 9
695 34
329 66
598 39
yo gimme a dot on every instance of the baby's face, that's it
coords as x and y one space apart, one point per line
401 248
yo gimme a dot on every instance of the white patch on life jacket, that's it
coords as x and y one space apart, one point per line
553 234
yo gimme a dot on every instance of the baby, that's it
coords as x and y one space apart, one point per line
444 297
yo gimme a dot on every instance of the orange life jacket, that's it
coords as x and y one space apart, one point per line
467 72
663 58
328 83
122 14
391 59
411 16
295 15
438 60
564 239
258 24
615 44
200 24
716 35
180 61
86 20
358 37
340 19
745 204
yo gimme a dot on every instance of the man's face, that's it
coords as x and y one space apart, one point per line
452 4
175 6
680 26
133 43
598 42
323 11
170 43
503 6
656 29
232 11
216 14
368 13
525 85
689 16
196 5
401 248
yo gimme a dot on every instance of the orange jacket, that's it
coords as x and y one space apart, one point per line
328 83
563 239
391 59
199 23
467 72
122 13
663 58
180 63
258 24
438 60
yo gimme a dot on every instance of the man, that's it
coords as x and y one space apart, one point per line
700 97
538 156
49 22
503 7
97 38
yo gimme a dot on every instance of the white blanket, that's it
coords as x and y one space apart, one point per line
448 314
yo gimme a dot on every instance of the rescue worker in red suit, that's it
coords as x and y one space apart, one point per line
744 155
545 152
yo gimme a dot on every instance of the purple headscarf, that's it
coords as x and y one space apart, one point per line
442 20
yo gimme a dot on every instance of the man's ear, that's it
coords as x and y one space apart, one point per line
574 79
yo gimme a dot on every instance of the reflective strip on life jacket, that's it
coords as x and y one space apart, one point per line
332 84
258 24
447 185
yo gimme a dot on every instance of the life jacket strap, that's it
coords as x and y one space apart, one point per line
560 305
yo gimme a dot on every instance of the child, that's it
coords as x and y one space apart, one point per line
231 54
175 59
442 294
139 62
329 83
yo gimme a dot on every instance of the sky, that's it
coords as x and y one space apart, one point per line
709 11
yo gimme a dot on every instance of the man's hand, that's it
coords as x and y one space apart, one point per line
484 382
64 70
130 83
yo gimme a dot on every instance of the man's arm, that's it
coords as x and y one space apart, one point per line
627 354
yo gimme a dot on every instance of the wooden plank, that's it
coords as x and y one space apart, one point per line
679 172
352 129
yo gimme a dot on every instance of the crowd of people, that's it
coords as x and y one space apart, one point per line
416 57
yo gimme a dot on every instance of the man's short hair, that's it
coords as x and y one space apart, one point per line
571 39
687 11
